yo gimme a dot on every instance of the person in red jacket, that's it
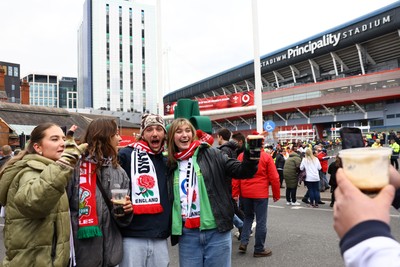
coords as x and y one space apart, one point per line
254 195
323 160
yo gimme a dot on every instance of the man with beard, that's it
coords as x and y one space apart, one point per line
145 239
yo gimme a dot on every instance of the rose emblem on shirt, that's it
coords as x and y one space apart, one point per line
145 183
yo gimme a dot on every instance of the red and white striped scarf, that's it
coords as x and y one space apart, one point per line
183 155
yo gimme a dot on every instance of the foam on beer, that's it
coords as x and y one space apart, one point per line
367 168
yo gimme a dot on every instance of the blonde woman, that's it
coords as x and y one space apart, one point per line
312 166
202 217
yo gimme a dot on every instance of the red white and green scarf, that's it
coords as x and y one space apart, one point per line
145 191
88 223
189 185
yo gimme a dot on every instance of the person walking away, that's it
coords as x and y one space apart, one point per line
97 239
290 171
332 169
32 189
145 238
312 166
202 209
395 153
254 194
280 163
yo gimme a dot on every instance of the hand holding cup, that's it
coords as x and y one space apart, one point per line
121 201
367 168
255 143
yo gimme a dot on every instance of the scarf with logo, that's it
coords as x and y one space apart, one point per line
145 191
88 224
189 185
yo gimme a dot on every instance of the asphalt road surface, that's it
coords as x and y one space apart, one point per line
297 235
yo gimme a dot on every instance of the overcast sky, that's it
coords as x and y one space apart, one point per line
200 38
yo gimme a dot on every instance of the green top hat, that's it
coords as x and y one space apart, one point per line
189 109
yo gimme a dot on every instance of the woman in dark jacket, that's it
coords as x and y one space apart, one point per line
97 239
200 182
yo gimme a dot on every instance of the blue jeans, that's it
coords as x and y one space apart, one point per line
259 208
313 190
237 222
208 248
323 182
144 252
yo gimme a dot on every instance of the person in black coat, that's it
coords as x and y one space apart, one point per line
280 163
332 169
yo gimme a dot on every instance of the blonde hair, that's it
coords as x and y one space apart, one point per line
309 154
172 148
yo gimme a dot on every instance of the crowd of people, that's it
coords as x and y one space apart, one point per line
182 186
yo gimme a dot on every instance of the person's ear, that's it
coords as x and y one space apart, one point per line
37 148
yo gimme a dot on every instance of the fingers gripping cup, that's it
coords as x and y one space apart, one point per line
255 145
367 168
118 197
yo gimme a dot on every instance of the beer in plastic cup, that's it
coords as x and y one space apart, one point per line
367 168
118 197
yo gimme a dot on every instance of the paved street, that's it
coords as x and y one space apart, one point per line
298 236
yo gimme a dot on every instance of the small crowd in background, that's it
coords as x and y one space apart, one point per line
180 185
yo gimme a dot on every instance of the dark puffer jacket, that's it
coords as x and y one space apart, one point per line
229 148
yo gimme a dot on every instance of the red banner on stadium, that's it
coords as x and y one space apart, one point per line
241 99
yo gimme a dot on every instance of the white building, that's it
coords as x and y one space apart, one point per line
117 56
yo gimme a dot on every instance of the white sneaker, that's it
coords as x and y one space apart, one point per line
296 203
253 226
288 203
236 234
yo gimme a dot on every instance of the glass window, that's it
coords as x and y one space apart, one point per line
10 71
16 72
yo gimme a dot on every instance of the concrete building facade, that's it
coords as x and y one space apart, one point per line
117 56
